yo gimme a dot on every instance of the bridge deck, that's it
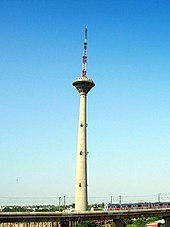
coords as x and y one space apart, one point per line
77 216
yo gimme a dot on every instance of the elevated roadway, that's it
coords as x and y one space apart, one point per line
63 217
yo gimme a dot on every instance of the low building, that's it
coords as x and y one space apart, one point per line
159 223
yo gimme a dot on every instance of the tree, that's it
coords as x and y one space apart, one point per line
87 224
140 222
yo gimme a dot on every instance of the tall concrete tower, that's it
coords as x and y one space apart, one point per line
83 85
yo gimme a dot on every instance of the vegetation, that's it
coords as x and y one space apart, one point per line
100 205
40 208
14 209
140 222
87 224
46 208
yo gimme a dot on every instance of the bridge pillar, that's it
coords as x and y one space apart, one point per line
167 221
118 223
54 224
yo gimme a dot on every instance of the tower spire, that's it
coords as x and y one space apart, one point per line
84 65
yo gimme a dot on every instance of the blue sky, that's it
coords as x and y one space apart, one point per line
41 47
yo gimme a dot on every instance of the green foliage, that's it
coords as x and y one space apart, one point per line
140 222
14 209
87 224
39 208
102 205
128 222
96 205
152 219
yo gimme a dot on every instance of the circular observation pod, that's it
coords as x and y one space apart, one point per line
83 84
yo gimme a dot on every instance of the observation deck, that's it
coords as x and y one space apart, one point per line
83 84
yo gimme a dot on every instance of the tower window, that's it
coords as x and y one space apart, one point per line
79 184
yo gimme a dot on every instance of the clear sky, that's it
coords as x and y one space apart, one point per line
41 46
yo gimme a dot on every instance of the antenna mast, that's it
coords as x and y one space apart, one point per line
84 66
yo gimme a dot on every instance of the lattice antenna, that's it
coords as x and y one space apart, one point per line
84 66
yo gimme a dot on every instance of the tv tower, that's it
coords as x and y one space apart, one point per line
83 85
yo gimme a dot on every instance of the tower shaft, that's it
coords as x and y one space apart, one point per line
81 173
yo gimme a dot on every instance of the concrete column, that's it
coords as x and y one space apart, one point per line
55 224
167 221
81 174
118 223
